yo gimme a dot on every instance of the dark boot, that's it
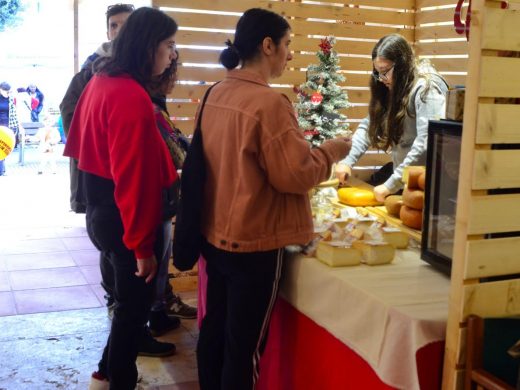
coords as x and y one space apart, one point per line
148 346
160 323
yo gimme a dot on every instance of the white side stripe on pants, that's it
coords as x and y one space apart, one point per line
267 318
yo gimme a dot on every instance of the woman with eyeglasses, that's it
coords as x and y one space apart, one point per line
125 171
405 94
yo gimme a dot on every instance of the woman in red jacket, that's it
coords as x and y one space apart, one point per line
125 169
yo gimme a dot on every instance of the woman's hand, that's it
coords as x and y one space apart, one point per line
146 268
381 192
343 172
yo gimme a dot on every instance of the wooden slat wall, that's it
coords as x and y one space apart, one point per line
485 273
357 26
435 38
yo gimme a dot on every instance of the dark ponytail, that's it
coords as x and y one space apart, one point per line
253 27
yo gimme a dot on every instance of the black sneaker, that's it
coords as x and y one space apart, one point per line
153 348
160 323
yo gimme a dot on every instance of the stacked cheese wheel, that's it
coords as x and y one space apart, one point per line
411 213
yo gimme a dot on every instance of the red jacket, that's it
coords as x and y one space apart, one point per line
114 135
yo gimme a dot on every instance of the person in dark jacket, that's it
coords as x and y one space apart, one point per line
36 101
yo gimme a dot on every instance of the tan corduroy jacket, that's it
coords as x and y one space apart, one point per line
259 167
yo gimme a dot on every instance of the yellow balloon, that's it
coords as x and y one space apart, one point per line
6 141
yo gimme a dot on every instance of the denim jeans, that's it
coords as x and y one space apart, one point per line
133 298
165 252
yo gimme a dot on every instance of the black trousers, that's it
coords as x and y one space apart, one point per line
133 298
241 292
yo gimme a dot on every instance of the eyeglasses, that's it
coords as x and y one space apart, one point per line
382 76
126 7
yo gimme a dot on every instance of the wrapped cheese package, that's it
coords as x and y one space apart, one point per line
375 252
337 254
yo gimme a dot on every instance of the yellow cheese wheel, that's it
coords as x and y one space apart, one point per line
421 181
393 204
413 177
353 196
411 217
413 198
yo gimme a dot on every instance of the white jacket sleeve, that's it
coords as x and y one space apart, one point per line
432 108
360 144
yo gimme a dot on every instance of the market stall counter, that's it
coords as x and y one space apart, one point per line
358 327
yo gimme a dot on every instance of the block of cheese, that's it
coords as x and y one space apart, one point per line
375 253
337 254
353 196
395 237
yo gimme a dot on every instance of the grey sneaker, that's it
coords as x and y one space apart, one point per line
110 311
177 308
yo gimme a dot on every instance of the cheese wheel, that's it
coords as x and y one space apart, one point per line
413 198
393 204
413 177
353 196
411 217
421 181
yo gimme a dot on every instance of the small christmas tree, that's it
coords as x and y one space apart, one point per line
320 98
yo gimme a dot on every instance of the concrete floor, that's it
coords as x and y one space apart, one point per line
53 323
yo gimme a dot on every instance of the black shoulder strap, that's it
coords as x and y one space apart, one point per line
199 119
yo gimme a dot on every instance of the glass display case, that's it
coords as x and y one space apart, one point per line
440 200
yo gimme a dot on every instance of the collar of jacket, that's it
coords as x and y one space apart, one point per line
246 76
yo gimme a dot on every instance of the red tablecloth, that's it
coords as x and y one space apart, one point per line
301 355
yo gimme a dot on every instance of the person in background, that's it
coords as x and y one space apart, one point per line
36 102
125 171
116 15
59 124
405 94
261 167
47 138
166 301
8 115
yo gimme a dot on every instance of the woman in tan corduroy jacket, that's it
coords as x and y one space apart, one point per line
259 169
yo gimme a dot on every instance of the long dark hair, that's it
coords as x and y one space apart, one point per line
133 51
388 108
252 27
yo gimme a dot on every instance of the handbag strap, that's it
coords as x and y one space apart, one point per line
199 119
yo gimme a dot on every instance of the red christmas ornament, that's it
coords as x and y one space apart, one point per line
316 98
311 132
325 46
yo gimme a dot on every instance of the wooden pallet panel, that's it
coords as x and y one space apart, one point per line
493 299
498 30
494 214
500 77
492 257
496 169
498 123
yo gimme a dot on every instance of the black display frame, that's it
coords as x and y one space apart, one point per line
436 128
